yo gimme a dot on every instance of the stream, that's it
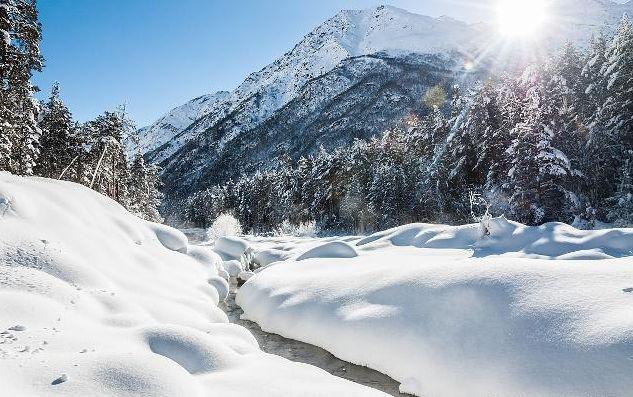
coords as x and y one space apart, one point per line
298 351
309 354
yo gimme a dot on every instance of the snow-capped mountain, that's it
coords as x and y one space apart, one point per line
351 77
348 34
163 131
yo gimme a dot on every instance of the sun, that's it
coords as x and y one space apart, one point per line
521 18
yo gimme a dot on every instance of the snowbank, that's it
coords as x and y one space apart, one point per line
507 238
334 249
448 311
230 247
96 302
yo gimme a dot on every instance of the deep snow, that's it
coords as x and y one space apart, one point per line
448 311
96 302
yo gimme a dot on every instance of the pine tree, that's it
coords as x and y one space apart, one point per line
621 211
138 189
7 133
592 82
618 70
20 35
143 190
154 196
110 169
611 133
58 145
539 170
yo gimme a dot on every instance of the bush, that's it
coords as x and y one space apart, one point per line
307 229
224 225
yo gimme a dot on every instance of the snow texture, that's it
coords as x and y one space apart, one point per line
451 311
231 247
96 302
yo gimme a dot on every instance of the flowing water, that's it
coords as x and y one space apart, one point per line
298 351
309 354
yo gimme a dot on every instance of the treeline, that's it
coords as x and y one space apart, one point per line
43 140
554 143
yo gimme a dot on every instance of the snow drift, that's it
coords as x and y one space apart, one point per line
96 302
451 311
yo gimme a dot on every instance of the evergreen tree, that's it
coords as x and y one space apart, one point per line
110 171
143 190
611 134
58 144
621 211
7 132
19 50
592 83
618 71
539 170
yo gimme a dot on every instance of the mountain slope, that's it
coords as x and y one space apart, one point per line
301 100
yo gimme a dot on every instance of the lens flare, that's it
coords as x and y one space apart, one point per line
521 18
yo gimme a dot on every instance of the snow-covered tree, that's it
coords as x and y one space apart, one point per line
539 170
58 143
20 35
621 209
107 154
143 190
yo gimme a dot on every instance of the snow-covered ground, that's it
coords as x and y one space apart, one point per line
96 302
450 312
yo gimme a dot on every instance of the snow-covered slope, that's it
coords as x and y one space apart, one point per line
447 311
166 130
96 302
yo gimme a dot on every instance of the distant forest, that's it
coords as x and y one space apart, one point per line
553 143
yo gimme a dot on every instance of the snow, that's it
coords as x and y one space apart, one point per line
166 132
96 302
231 247
334 249
233 267
451 311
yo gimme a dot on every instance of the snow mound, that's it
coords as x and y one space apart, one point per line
205 256
266 257
171 238
96 302
231 247
501 237
334 249
193 350
233 267
221 285
520 311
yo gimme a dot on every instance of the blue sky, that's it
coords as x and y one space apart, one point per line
153 55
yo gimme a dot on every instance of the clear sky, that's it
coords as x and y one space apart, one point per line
153 55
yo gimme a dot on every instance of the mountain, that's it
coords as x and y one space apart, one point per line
351 77
161 134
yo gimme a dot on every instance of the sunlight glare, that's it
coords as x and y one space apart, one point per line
521 18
